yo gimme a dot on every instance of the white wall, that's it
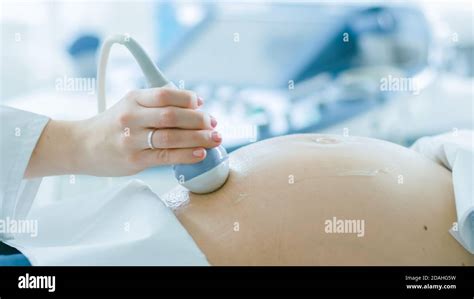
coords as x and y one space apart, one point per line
46 28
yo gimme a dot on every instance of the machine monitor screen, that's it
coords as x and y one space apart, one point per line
261 50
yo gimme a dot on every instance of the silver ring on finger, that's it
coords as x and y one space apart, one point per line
150 139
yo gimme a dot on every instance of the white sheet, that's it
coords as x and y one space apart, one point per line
129 225
455 151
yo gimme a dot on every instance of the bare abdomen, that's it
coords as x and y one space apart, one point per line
286 197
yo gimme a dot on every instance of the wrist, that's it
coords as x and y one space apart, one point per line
67 148
59 150
79 146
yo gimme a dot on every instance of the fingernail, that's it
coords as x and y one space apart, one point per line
200 101
199 153
216 136
213 122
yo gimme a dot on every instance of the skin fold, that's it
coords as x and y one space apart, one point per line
281 192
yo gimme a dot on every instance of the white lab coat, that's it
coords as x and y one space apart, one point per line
20 131
124 225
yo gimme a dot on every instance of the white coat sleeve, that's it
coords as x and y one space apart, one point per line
19 133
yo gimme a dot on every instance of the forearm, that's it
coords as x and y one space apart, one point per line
60 149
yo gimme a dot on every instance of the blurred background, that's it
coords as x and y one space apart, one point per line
390 70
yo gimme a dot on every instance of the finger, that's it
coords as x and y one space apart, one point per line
163 96
173 117
177 138
173 156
